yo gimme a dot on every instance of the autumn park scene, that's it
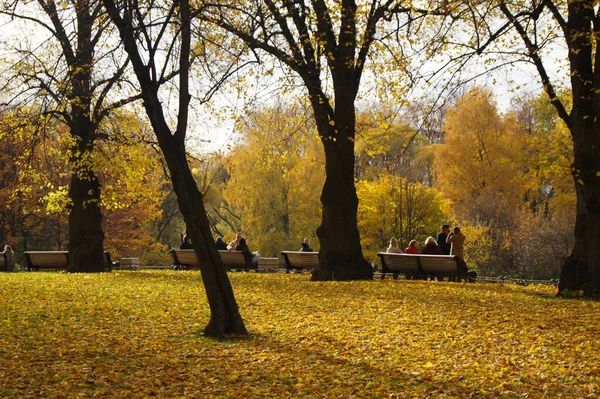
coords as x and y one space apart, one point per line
299 199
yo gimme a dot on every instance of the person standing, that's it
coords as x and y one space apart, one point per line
456 239
442 240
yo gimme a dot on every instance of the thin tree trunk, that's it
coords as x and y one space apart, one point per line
225 317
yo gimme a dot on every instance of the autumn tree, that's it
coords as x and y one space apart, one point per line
391 206
327 45
276 176
68 74
541 28
478 167
151 36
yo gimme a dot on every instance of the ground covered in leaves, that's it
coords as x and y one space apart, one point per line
138 334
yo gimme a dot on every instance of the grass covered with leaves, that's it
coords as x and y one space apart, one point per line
138 334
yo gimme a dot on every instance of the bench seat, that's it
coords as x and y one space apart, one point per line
299 260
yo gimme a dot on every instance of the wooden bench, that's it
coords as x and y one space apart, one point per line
7 260
268 264
58 260
299 260
186 258
130 263
423 266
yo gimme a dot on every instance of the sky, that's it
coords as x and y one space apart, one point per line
212 126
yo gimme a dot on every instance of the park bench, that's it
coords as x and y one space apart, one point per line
186 259
58 260
7 260
423 266
299 260
130 263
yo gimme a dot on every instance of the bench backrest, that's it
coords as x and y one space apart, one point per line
184 257
47 259
187 257
301 260
233 259
399 263
57 259
438 264
418 264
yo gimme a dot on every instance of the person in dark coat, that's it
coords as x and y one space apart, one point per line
186 243
306 246
251 259
431 247
442 240
221 246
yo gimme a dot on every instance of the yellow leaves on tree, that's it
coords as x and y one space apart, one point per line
476 167
393 207
277 173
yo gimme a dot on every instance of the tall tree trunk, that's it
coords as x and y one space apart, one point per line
86 237
581 270
341 253
225 317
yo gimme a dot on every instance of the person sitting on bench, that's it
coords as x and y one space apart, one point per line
186 243
413 248
221 246
394 248
251 258
431 247
306 246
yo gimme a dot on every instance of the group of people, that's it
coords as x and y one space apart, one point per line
449 242
239 244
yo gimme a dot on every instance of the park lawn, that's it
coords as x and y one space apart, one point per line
138 334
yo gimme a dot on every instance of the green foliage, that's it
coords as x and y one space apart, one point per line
138 335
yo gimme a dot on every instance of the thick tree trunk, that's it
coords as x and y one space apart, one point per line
581 270
341 253
86 238
225 317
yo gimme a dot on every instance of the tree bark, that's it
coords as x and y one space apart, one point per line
581 270
86 238
341 255
225 317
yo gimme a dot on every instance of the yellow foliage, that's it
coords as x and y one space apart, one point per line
277 174
393 207
138 335
476 168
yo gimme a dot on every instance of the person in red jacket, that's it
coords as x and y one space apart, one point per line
413 248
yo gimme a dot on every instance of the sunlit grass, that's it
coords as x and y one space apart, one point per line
138 334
